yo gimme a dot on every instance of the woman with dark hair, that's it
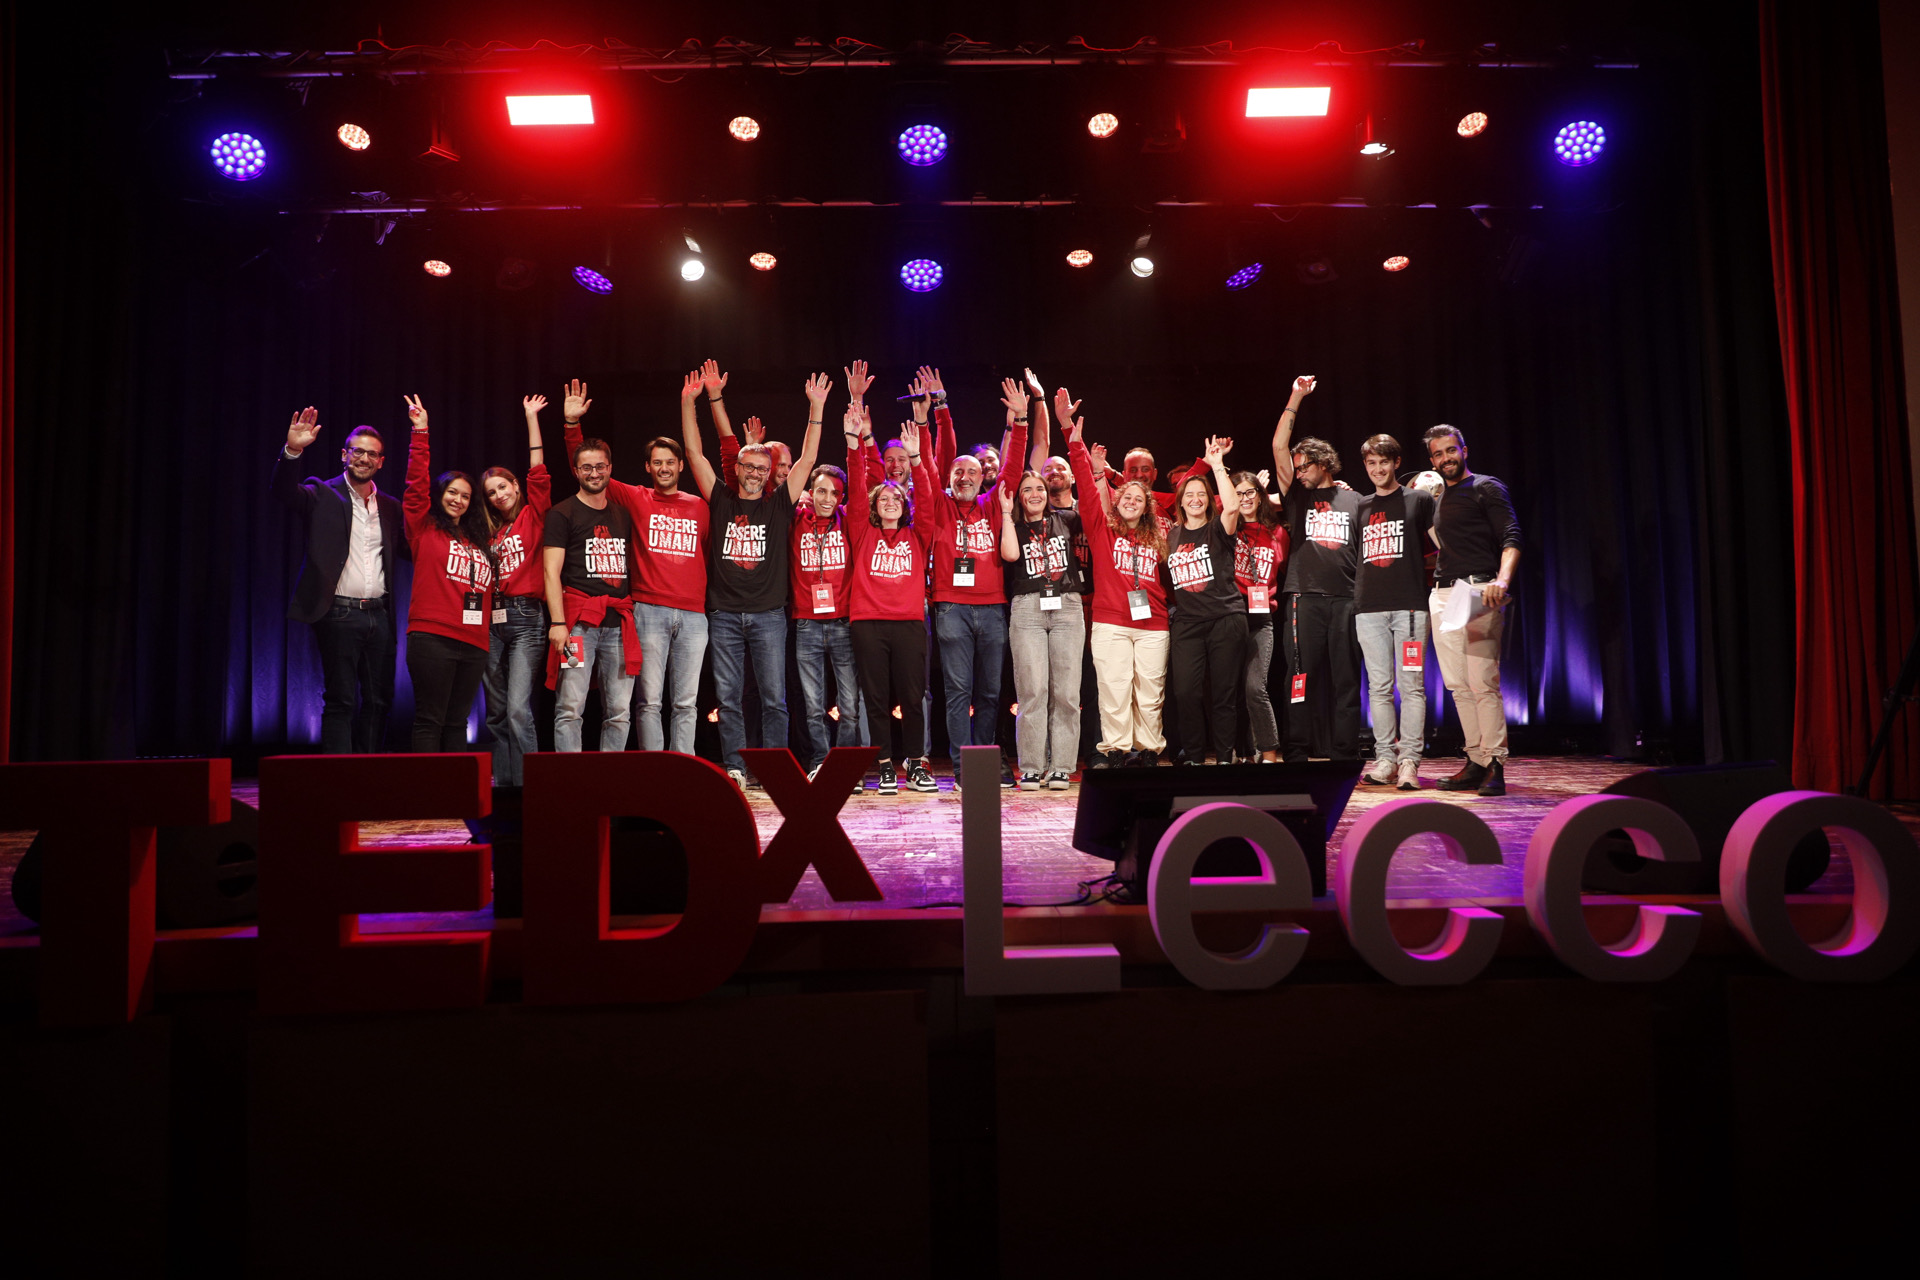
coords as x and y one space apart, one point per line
517 645
1207 659
887 602
821 587
447 628
1260 548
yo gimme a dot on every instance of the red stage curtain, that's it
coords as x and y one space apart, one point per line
1839 313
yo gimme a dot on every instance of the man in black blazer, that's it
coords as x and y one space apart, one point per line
354 539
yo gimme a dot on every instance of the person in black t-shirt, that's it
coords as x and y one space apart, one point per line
1479 550
587 555
1390 614
1047 630
1323 662
748 538
1207 652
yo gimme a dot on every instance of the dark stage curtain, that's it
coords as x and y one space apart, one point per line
1839 317
1623 379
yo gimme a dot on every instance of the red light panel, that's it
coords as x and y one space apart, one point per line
1302 101
576 108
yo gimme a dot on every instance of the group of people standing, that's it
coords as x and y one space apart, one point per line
914 549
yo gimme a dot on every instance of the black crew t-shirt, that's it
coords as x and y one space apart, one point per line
1321 525
1047 555
747 547
1392 574
1476 524
599 546
1200 568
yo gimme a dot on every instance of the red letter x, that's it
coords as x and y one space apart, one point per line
810 829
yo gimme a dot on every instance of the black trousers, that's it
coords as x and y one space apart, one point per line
1317 632
1206 667
892 660
446 674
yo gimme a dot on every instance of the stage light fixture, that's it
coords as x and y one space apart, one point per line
692 269
1472 124
354 138
239 156
1078 258
763 261
1104 125
1245 275
560 108
1375 148
1295 101
592 281
922 144
1398 262
1141 266
745 128
1579 143
435 267
922 275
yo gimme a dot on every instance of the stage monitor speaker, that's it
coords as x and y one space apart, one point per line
204 877
1122 813
1709 799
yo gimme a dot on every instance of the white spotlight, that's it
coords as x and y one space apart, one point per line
692 269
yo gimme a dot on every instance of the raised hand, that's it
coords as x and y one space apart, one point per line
1303 385
851 421
416 414
574 403
858 380
1216 450
910 438
1264 476
532 405
931 377
1033 380
1064 409
1099 455
756 432
818 385
304 428
691 387
712 379
1014 396
1006 500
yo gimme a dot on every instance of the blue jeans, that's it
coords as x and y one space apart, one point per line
973 646
606 650
516 649
1381 635
357 654
672 642
735 640
817 644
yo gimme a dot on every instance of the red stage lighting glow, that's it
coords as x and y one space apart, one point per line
1104 125
1302 101
1398 262
564 108
1474 122
435 267
1078 258
354 138
745 128
763 261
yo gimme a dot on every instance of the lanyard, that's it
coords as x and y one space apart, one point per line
959 528
1037 531
820 543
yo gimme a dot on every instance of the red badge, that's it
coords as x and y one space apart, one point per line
1300 687
1413 655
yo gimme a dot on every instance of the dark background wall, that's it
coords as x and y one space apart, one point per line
1611 354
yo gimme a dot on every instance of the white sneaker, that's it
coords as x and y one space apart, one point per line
738 779
1409 775
1381 772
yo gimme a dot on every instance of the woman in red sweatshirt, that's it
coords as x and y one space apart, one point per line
517 647
1129 637
447 628
887 602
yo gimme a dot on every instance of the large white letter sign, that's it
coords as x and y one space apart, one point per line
1881 934
1173 895
993 969
1466 943
1661 938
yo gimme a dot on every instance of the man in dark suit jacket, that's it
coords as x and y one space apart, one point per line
354 540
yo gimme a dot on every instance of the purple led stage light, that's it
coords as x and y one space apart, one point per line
922 144
922 275
1245 276
1579 143
239 156
592 281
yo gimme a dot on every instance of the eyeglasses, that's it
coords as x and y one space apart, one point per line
755 471
365 453
1246 493
593 469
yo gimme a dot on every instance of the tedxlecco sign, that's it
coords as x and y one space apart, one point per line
97 823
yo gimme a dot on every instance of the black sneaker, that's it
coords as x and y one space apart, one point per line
1059 780
889 781
1031 781
1106 759
919 777
1006 774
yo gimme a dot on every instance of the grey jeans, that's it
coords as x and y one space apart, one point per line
1266 729
1047 646
1381 635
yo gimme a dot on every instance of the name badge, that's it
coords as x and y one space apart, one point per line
499 607
1413 656
963 571
1050 599
473 612
1137 607
822 598
574 653
1259 599
1300 688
